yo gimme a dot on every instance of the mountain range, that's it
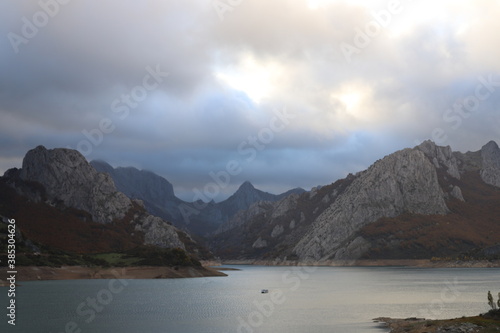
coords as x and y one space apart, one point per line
420 202
199 218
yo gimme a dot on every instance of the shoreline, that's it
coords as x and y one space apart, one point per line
45 273
417 263
421 325
210 268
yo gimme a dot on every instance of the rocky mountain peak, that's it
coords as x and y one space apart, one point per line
246 187
492 145
68 177
141 184
246 195
441 157
490 171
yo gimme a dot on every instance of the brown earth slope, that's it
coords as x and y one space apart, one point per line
471 225
65 228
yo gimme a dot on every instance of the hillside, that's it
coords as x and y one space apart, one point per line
66 228
60 202
469 231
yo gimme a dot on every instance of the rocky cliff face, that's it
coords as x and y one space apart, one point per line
330 222
405 181
68 179
490 168
441 157
157 232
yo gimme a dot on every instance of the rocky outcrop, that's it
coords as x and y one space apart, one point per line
456 193
69 178
441 157
259 243
157 232
277 230
490 170
405 181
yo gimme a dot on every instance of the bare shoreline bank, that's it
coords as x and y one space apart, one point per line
43 273
420 263
209 268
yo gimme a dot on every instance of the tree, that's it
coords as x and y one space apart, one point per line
491 302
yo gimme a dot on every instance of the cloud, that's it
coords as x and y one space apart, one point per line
226 79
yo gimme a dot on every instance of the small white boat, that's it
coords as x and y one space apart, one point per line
264 291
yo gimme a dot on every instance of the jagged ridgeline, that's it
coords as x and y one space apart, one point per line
199 218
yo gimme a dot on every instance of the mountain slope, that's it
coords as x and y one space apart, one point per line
64 228
415 203
405 181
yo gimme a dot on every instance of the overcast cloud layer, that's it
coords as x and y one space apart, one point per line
282 93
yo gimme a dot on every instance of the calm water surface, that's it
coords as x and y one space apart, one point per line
302 300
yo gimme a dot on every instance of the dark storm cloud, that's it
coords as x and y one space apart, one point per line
86 79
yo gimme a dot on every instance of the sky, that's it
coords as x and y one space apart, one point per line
282 93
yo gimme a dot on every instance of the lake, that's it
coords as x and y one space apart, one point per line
300 299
